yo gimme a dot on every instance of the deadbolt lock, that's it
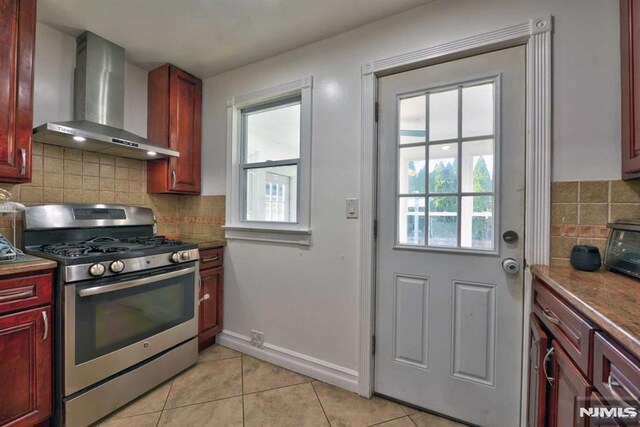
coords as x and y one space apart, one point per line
510 236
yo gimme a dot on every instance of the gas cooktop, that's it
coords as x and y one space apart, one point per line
106 245
106 249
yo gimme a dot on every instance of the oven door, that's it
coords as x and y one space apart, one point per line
110 326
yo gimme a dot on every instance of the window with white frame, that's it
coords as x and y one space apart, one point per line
270 161
269 169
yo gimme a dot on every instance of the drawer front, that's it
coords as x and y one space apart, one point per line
211 258
598 401
616 374
573 332
21 292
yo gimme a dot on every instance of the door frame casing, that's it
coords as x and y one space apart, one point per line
535 35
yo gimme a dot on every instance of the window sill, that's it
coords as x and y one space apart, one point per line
289 236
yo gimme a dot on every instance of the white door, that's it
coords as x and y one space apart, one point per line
450 184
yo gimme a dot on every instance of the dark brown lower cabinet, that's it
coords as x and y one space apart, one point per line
573 365
537 380
25 367
569 391
211 307
211 296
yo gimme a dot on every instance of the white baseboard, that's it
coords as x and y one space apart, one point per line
306 365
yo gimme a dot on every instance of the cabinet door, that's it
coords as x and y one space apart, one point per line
630 79
568 386
537 381
185 129
17 42
211 299
25 368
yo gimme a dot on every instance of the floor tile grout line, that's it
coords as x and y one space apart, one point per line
201 403
275 388
392 419
165 400
321 405
217 360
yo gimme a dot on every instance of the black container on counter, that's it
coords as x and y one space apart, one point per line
585 258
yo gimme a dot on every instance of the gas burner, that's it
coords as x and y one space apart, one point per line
75 250
153 241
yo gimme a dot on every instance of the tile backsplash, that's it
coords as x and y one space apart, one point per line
64 175
581 210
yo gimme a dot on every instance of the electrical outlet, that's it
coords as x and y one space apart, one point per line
257 339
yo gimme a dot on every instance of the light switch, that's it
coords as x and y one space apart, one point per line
352 208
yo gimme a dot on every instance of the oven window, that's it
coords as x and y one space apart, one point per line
110 321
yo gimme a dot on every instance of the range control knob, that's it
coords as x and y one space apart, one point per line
97 270
117 266
175 257
186 256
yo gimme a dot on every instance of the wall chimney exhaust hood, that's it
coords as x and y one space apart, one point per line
98 108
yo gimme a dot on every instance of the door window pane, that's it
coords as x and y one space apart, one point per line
477 166
411 170
457 168
477 110
272 133
271 194
411 220
443 221
443 115
477 222
443 168
413 119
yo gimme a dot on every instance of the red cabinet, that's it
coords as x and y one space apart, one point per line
211 296
537 398
583 368
26 352
630 79
17 46
174 120
570 390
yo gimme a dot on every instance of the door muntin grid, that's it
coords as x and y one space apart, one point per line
447 180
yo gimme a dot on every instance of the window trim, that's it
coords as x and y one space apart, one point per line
299 232
244 166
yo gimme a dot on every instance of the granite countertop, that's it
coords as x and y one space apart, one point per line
25 264
610 300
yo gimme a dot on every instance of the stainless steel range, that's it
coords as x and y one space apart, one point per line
125 304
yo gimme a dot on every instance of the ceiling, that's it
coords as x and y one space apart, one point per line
208 37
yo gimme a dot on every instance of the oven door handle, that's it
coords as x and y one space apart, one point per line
97 290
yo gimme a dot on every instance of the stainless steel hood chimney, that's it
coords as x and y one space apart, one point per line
99 106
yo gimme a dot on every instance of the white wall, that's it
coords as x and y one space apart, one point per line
53 82
306 300
53 75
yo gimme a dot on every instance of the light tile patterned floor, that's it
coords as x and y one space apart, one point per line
228 389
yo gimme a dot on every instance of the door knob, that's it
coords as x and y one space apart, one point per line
511 266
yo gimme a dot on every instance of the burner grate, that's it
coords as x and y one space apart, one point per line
153 241
81 249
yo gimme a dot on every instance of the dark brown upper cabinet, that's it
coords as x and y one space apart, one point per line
630 67
175 121
17 46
